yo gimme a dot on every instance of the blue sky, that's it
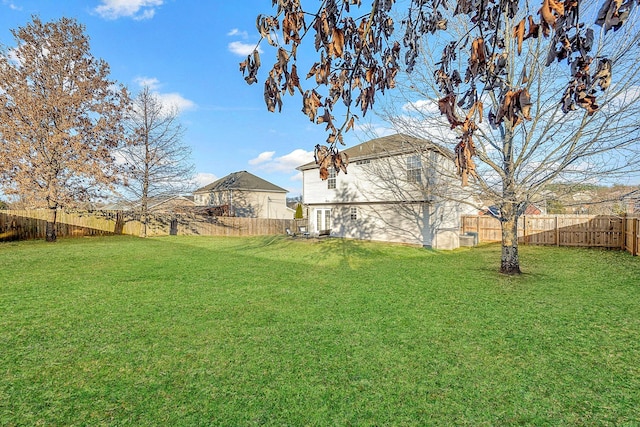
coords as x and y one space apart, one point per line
188 52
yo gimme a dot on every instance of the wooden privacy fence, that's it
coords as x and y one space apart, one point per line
31 224
602 231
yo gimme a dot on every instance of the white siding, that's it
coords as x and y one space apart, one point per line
418 224
272 205
363 183
389 208
253 204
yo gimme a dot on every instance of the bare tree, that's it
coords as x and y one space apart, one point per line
157 164
546 120
548 140
60 118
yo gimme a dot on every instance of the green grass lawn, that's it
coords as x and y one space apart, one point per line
251 331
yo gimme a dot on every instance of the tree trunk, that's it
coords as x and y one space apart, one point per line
118 229
144 200
51 225
510 262
144 217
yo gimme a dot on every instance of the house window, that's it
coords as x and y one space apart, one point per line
414 169
363 162
331 181
354 214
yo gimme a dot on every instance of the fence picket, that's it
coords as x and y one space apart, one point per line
612 232
31 224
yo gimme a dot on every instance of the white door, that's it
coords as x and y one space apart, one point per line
323 219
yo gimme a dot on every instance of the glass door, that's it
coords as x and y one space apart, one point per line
323 219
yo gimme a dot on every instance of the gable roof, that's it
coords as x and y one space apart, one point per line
154 202
494 211
241 180
386 146
635 194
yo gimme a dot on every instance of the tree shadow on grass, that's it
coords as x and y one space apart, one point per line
489 269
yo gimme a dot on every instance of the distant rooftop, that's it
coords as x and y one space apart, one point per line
241 180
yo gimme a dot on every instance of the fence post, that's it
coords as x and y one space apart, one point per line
557 230
478 227
634 244
624 231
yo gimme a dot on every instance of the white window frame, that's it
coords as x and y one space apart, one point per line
414 168
331 181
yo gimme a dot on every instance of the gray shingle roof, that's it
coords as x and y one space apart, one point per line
384 146
241 180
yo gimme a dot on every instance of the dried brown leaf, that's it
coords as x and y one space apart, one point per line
602 77
350 124
447 107
337 44
518 34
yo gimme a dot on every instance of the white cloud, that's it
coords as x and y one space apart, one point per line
237 32
262 157
423 106
287 163
242 49
293 160
177 101
169 100
11 5
374 130
151 82
203 178
627 96
135 9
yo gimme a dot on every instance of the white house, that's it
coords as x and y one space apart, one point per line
398 189
243 194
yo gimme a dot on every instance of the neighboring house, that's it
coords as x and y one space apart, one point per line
531 209
170 204
615 200
391 192
630 202
243 194
582 200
